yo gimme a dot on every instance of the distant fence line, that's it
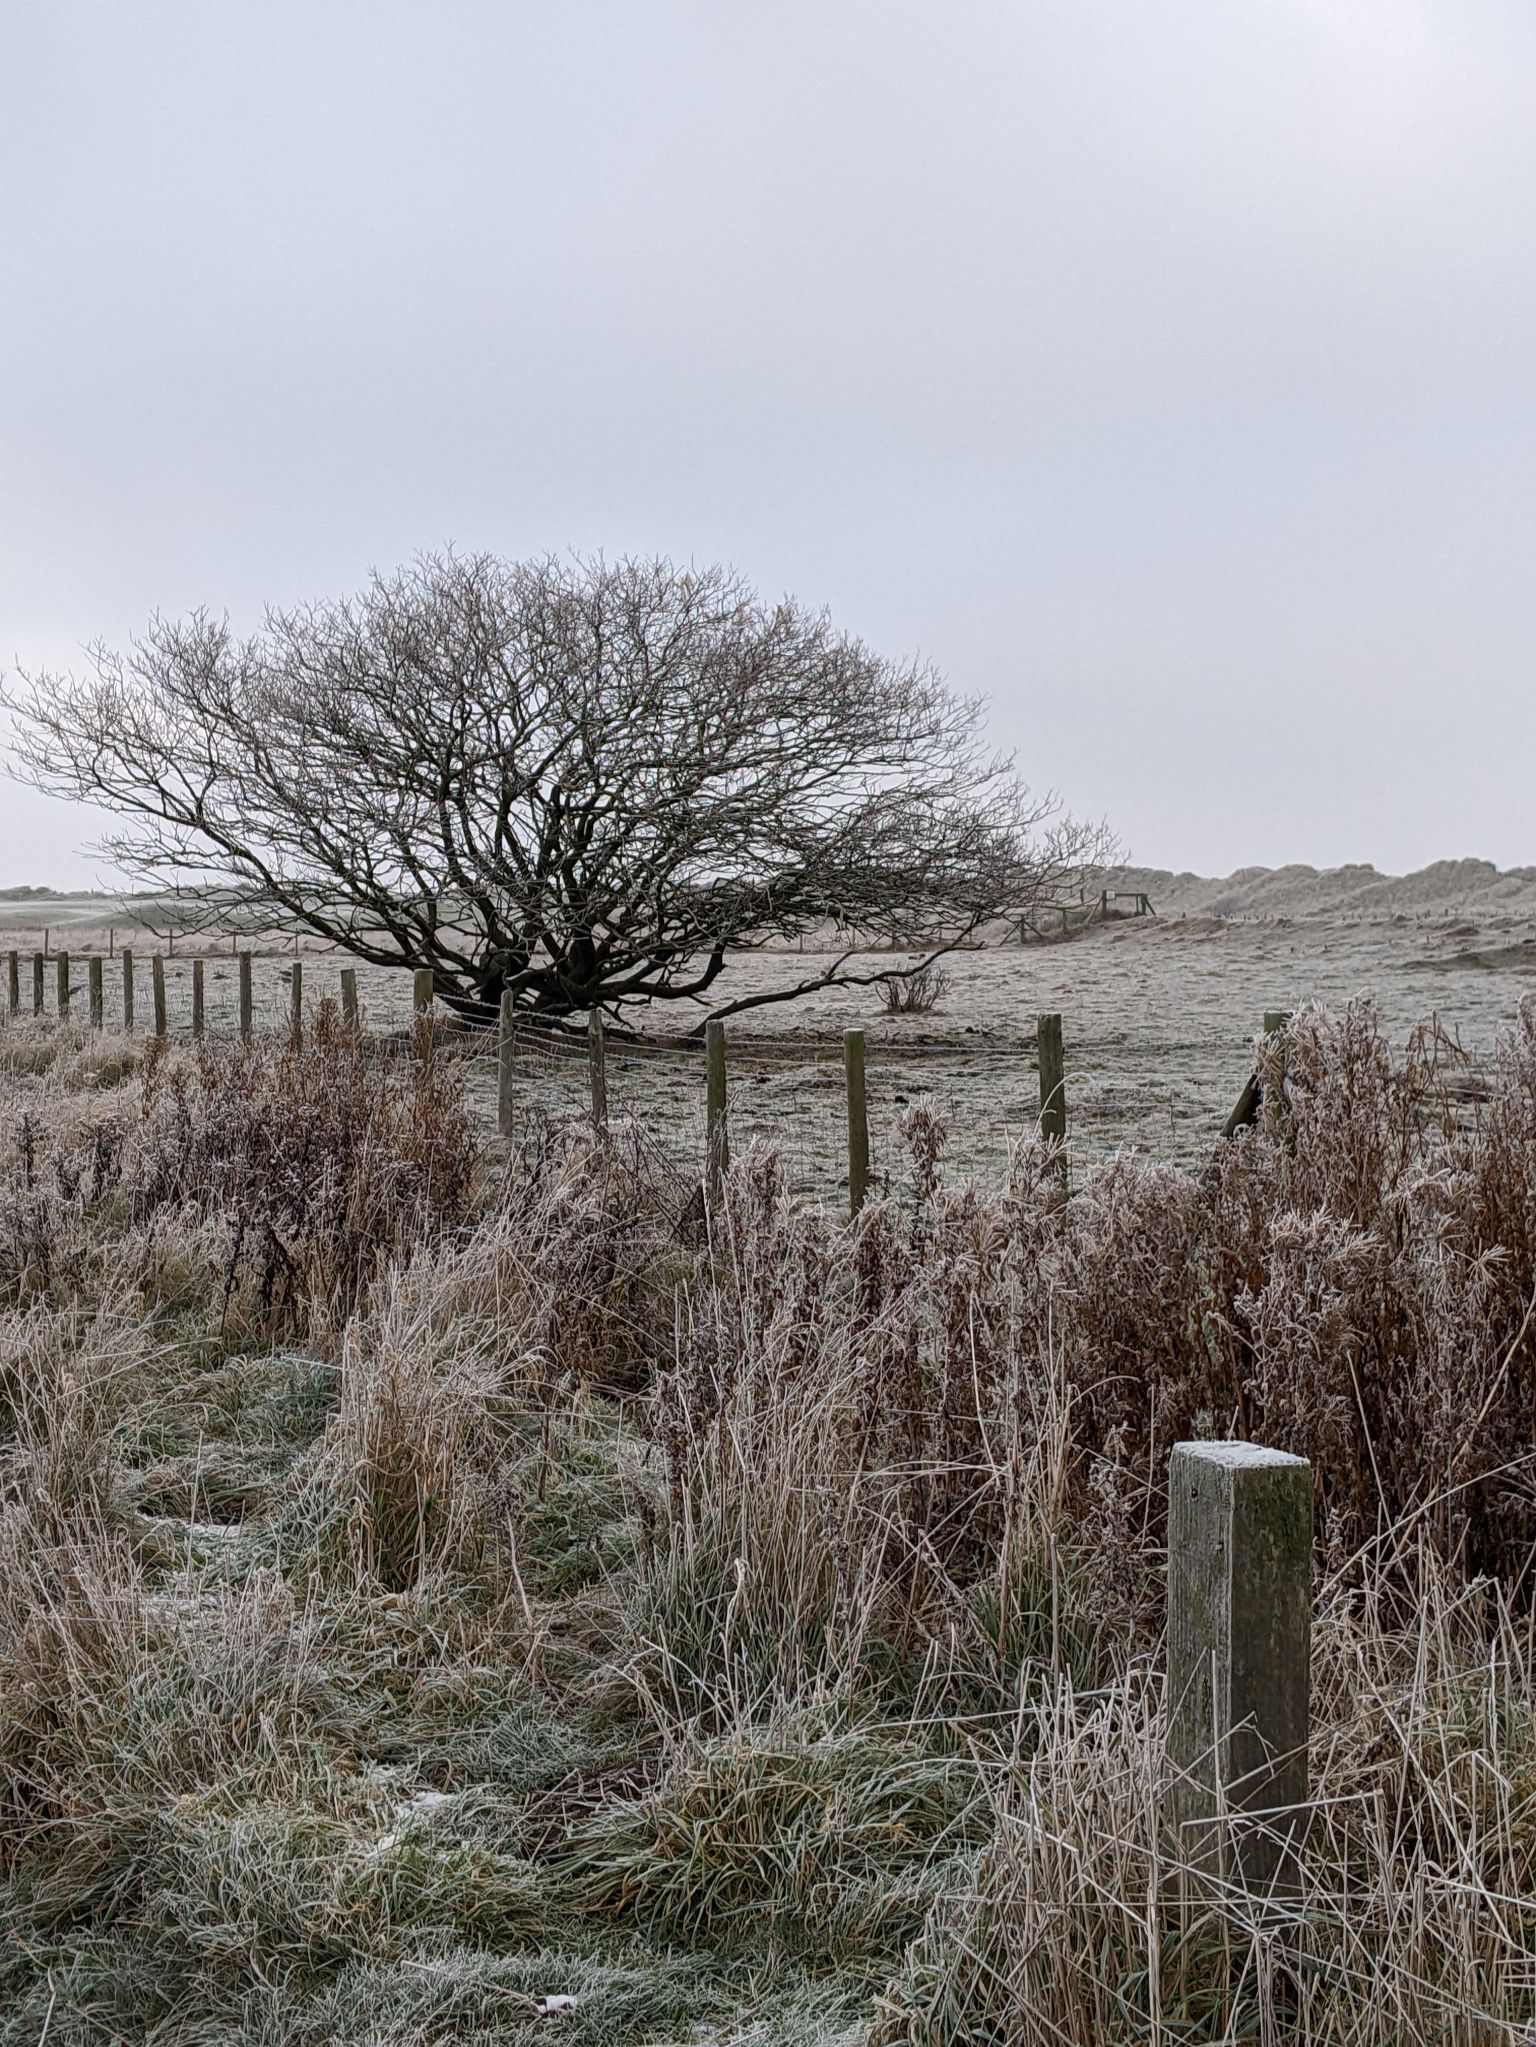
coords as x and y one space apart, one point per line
698 1074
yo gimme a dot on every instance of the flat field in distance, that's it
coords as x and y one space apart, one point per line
1158 1013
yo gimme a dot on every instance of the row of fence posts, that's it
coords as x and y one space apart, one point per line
1049 1049
717 1141
1239 1515
95 981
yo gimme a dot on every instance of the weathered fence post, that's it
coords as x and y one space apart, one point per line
1246 1109
197 998
349 999
858 1120
37 983
95 997
1239 1644
246 1002
61 984
506 1047
127 987
13 984
597 1068
717 1139
157 991
296 1004
1053 1086
421 1007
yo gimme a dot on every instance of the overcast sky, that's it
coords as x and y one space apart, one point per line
1165 372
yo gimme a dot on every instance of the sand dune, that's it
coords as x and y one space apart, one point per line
1470 886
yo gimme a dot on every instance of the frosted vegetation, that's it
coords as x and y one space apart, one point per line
437 1579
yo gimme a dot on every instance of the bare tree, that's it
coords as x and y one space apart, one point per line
585 782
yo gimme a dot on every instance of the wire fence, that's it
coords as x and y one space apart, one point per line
794 1093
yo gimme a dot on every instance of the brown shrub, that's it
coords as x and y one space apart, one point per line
327 1163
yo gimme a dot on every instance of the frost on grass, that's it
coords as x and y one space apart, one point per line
440 1601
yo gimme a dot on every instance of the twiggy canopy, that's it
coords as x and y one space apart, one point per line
586 782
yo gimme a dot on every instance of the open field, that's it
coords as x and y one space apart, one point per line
1158 1014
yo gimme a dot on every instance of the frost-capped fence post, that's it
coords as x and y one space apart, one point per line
127 987
296 1004
246 1004
61 984
717 1140
349 998
506 1047
1239 1646
95 996
1053 1087
157 991
13 984
197 998
858 1120
597 1068
37 983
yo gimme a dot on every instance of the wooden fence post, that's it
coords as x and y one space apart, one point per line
597 1068
61 984
1250 1101
423 1033
157 991
127 959
1239 1643
37 983
506 1048
197 998
246 1003
1053 1086
858 1120
98 1007
717 1138
349 999
13 984
296 1004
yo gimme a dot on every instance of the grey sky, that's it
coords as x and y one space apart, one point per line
1164 371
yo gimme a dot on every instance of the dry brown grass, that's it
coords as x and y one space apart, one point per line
786 1601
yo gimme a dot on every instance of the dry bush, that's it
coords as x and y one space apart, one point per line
462 1406
328 1164
915 992
61 1163
859 1479
897 1446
